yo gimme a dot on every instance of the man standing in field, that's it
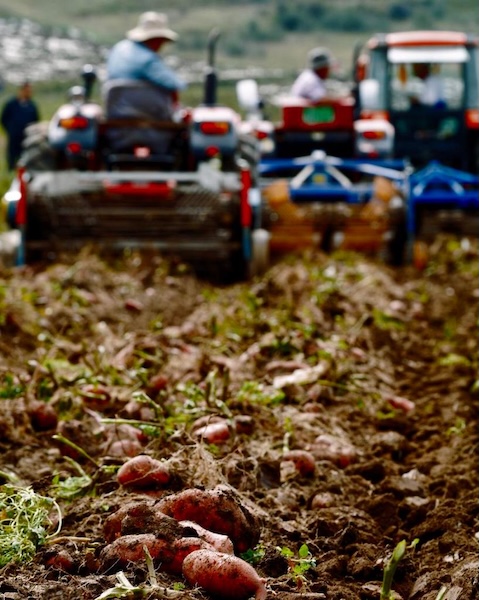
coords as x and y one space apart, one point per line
18 112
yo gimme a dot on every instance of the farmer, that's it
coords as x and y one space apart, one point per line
432 93
137 57
310 83
18 112
141 85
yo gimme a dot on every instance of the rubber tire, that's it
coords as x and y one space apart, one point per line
37 154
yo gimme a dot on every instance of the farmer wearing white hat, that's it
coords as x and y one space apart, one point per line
310 84
137 58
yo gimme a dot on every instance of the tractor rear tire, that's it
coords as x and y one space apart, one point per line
37 154
395 251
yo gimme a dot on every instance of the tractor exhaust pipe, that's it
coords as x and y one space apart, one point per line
211 79
89 77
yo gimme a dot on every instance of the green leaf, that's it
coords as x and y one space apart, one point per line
286 552
304 552
452 360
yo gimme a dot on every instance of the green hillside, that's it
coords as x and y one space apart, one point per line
265 33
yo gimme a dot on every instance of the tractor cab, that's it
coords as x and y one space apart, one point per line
426 85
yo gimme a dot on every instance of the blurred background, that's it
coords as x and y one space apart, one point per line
48 42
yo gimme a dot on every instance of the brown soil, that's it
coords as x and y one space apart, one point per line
372 370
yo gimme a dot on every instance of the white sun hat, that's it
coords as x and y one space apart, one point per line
152 25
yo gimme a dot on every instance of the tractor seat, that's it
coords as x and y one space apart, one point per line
138 103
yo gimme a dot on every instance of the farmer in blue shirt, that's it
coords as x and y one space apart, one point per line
141 85
18 112
136 57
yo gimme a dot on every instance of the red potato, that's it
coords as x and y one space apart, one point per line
141 517
304 462
214 433
223 575
157 383
134 305
139 411
183 547
244 424
168 555
42 416
220 542
335 449
125 432
96 396
142 471
407 406
112 523
219 510
206 420
124 449
61 561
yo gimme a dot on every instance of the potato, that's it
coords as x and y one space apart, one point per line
138 410
219 510
124 449
130 549
223 575
112 523
220 542
43 416
400 403
168 555
142 471
125 432
141 517
334 449
214 433
304 462
60 560
96 397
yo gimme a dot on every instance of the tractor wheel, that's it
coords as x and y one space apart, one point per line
249 151
395 251
233 269
37 153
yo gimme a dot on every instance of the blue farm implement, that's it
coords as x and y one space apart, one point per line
384 207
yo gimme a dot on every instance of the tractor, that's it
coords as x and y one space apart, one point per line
391 93
134 173
322 163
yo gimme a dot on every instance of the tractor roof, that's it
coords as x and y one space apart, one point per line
422 38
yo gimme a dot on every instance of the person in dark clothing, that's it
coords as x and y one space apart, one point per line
17 113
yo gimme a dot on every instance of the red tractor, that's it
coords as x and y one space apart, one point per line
419 92
303 126
414 110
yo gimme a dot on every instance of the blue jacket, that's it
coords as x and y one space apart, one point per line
133 60
16 115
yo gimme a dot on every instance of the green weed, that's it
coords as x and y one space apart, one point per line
24 523
391 566
300 562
